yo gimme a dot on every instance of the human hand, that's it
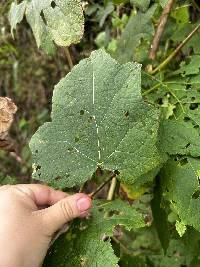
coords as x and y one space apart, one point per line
26 230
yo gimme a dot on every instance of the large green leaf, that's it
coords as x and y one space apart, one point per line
98 119
181 187
85 244
59 21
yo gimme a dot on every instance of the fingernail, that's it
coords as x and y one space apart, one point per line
83 204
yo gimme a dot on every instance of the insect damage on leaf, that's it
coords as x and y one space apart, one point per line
88 248
181 187
89 128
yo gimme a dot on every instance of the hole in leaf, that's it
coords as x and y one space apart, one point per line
160 101
70 149
186 119
58 178
126 114
38 167
82 112
188 86
36 151
193 98
43 17
183 161
193 106
116 172
39 174
53 4
196 194
105 238
90 119
187 145
196 126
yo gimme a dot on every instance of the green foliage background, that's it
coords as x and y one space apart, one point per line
167 196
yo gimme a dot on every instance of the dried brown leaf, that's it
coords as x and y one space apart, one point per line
7 111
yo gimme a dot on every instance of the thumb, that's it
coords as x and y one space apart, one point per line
65 210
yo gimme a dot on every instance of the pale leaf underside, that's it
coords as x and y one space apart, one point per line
59 21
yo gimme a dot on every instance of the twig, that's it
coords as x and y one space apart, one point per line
175 52
81 190
16 157
112 188
102 185
160 29
69 59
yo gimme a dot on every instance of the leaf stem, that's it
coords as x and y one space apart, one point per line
175 52
112 188
102 185
69 58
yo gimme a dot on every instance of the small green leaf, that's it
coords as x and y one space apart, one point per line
192 67
180 228
141 4
179 137
137 29
106 12
16 14
99 119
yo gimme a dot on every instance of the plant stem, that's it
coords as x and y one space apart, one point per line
102 185
69 59
160 29
175 52
151 89
112 188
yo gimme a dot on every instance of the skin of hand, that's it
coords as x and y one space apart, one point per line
27 228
